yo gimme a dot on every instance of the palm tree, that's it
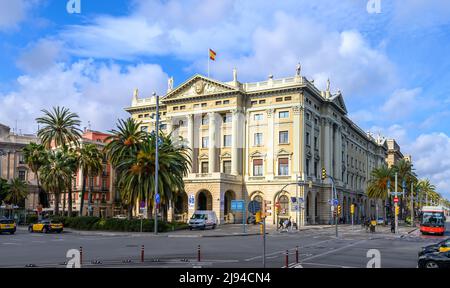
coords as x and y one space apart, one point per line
90 160
60 127
138 170
17 192
378 184
35 156
72 162
123 143
427 190
55 175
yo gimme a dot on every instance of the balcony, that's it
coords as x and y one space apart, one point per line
215 176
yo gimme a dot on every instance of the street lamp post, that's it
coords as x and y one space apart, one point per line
156 162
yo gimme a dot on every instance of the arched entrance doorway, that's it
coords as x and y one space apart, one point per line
281 207
228 214
204 200
181 207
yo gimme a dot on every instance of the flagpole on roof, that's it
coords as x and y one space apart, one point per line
208 61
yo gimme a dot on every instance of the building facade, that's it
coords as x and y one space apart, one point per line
12 163
252 141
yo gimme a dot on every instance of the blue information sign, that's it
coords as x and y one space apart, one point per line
254 206
157 198
237 205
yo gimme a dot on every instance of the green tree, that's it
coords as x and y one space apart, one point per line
378 184
72 161
17 192
90 160
4 188
55 175
60 127
35 156
137 179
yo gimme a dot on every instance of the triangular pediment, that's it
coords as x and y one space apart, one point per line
198 85
338 100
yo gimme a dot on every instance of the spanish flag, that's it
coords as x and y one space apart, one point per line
212 55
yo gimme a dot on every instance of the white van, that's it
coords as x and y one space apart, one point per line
202 219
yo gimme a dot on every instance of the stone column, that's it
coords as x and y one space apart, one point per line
312 210
212 142
326 148
313 148
235 159
270 143
169 125
339 154
190 139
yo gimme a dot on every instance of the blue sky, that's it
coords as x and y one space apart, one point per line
392 67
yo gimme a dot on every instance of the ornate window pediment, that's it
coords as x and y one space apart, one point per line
257 154
283 152
225 155
203 157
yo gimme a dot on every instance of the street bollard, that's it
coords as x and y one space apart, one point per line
198 253
287 258
142 254
81 255
296 254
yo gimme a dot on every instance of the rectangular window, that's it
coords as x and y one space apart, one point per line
288 98
103 184
258 139
227 167
226 140
315 143
254 102
307 139
196 105
262 101
218 102
283 166
257 167
316 164
205 120
175 108
182 107
283 137
205 142
140 116
204 104
226 101
283 114
279 99
258 117
204 167
22 175
307 167
227 118
146 115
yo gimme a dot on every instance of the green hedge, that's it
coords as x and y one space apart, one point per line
111 224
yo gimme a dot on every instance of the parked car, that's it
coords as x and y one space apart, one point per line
443 246
380 221
46 226
203 219
435 260
7 225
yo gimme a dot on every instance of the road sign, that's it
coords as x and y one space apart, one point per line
295 207
191 201
335 202
396 200
300 200
237 205
157 198
254 206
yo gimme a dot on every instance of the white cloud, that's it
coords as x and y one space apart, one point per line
395 131
41 55
402 103
97 92
12 12
430 158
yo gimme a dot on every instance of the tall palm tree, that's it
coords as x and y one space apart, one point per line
378 184
90 160
123 143
60 127
35 156
55 175
17 192
137 178
72 162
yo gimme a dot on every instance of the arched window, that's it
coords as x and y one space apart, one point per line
284 205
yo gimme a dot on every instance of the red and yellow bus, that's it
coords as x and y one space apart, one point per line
432 220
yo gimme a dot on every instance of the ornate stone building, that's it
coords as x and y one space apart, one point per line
251 140
12 164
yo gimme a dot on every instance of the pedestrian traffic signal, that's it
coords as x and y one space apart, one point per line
397 210
267 209
339 209
324 173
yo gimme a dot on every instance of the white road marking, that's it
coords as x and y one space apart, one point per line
334 250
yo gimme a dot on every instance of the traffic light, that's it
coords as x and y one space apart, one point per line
324 173
339 210
267 209
397 210
352 209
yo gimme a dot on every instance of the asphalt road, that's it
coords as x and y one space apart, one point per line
317 248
